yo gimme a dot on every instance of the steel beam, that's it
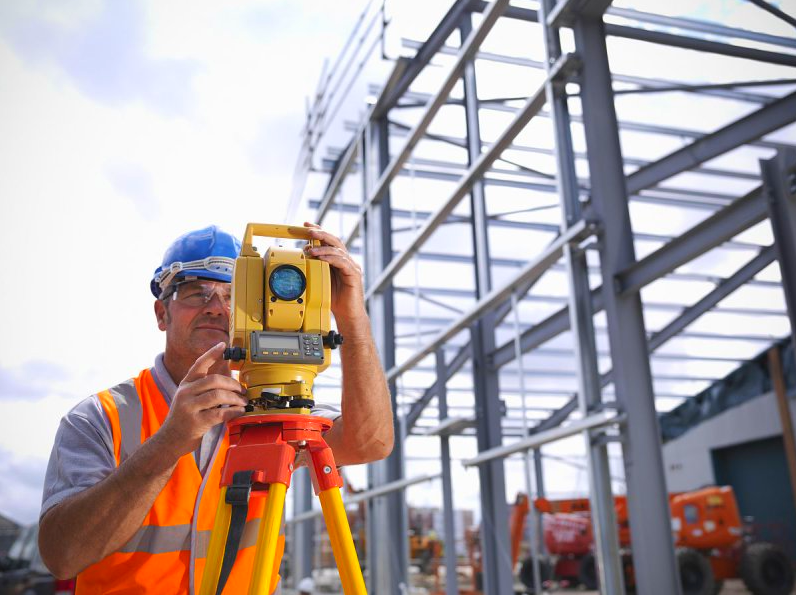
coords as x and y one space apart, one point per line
559 267
474 172
749 128
640 126
671 39
557 299
347 160
546 227
779 178
416 409
725 288
526 14
687 24
598 420
701 45
530 273
423 57
466 52
384 490
617 77
549 328
655 567
566 12
712 232
775 11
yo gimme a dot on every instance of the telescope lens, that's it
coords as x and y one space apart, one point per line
287 282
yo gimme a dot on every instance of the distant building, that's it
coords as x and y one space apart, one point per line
8 533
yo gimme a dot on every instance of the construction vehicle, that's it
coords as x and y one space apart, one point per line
519 512
708 535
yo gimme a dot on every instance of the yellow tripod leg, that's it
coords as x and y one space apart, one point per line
342 543
267 538
215 550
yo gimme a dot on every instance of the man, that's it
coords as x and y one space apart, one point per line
128 497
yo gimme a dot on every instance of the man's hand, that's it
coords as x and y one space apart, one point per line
348 297
365 430
206 397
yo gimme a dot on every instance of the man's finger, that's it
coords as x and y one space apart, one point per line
202 365
221 367
326 237
344 265
214 398
216 381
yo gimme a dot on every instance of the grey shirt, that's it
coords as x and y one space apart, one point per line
82 454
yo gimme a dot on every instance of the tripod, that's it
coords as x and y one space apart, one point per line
259 463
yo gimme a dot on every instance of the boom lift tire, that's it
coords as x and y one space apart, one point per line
696 574
587 571
526 572
766 570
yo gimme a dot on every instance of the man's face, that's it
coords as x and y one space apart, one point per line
195 317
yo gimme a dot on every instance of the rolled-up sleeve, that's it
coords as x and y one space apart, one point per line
82 454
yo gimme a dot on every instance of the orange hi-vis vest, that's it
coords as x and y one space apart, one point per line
168 553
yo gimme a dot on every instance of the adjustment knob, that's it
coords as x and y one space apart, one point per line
332 340
235 354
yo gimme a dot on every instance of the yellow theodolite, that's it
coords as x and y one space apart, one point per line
280 325
280 340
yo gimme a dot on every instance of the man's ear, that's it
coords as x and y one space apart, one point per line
161 314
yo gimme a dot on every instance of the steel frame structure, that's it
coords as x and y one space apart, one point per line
595 217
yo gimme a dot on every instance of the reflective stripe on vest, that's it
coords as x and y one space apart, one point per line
161 540
168 551
122 405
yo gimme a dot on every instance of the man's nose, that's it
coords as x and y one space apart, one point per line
216 305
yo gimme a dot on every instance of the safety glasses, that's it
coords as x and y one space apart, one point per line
195 294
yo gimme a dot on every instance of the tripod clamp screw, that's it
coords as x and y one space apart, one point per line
235 354
332 340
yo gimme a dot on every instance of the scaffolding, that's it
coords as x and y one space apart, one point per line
608 395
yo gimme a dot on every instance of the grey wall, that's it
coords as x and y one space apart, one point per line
687 459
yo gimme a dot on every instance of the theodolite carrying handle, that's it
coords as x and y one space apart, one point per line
268 230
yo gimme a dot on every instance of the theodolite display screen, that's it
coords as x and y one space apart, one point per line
286 348
275 342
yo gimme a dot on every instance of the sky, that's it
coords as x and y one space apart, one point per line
125 124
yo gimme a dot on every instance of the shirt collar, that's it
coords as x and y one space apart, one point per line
163 379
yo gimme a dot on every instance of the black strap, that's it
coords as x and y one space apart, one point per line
238 498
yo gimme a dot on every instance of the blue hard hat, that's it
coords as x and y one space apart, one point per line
207 253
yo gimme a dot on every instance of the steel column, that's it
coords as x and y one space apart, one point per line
603 518
496 557
387 558
779 179
451 583
653 556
